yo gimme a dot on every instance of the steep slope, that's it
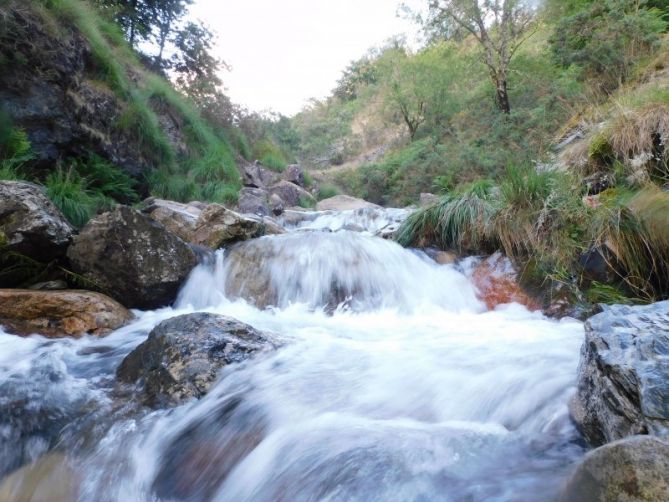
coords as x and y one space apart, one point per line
72 84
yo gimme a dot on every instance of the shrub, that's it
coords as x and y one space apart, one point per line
325 191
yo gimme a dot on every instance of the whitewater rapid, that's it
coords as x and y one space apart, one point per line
418 394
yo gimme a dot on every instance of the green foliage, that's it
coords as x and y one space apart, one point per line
15 149
71 194
605 38
106 180
325 191
306 202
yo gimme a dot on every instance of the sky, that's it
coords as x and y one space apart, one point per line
284 52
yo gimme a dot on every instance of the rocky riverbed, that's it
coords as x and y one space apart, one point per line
216 355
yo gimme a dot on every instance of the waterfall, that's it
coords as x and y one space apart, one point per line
394 383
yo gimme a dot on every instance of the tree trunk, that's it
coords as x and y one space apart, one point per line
502 95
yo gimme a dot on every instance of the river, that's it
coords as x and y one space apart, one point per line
408 390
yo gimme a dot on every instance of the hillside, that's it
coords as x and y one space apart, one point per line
82 114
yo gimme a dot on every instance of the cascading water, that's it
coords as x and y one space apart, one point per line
394 384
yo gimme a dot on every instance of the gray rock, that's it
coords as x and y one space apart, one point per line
182 356
253 201
428 199
132 258
633 469
30 223
180 219
291 194
295 174
257 176
276 204
623 376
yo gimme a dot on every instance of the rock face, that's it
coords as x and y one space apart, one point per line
343 203
178 218
132 258
52 477
218 226
634 469
292 194
60 101
182 356
623 376
30 223
60 313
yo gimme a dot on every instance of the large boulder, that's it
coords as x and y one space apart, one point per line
253 201
292 194
257 176
294 174
132 258
182 356
343 203
51 477
218 226
623 375
180 219
633 469
30 223
60 313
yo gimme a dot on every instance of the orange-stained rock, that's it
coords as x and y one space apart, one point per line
496 282
60 313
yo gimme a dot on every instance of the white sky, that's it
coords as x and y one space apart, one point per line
283 52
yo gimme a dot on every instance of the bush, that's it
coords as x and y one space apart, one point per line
325 191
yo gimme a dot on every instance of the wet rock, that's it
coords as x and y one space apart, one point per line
496 281
51 478
218 226
182 356
253 201
30 223
200 459
441 257
623 375
255 175
343 203
295 174
60 313
276 204
292 194
178 218
633 469
132 258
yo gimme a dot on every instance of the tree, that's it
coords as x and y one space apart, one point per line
604 38
167 15
196 69
499 26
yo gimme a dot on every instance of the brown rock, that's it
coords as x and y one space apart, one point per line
60 313
51 478
635 469
218 226
295 174
496 281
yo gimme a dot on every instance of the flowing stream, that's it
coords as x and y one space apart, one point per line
406 390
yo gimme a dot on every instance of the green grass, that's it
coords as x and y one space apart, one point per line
325 191
71 194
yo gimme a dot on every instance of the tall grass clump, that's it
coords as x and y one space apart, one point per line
461 221
71 194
